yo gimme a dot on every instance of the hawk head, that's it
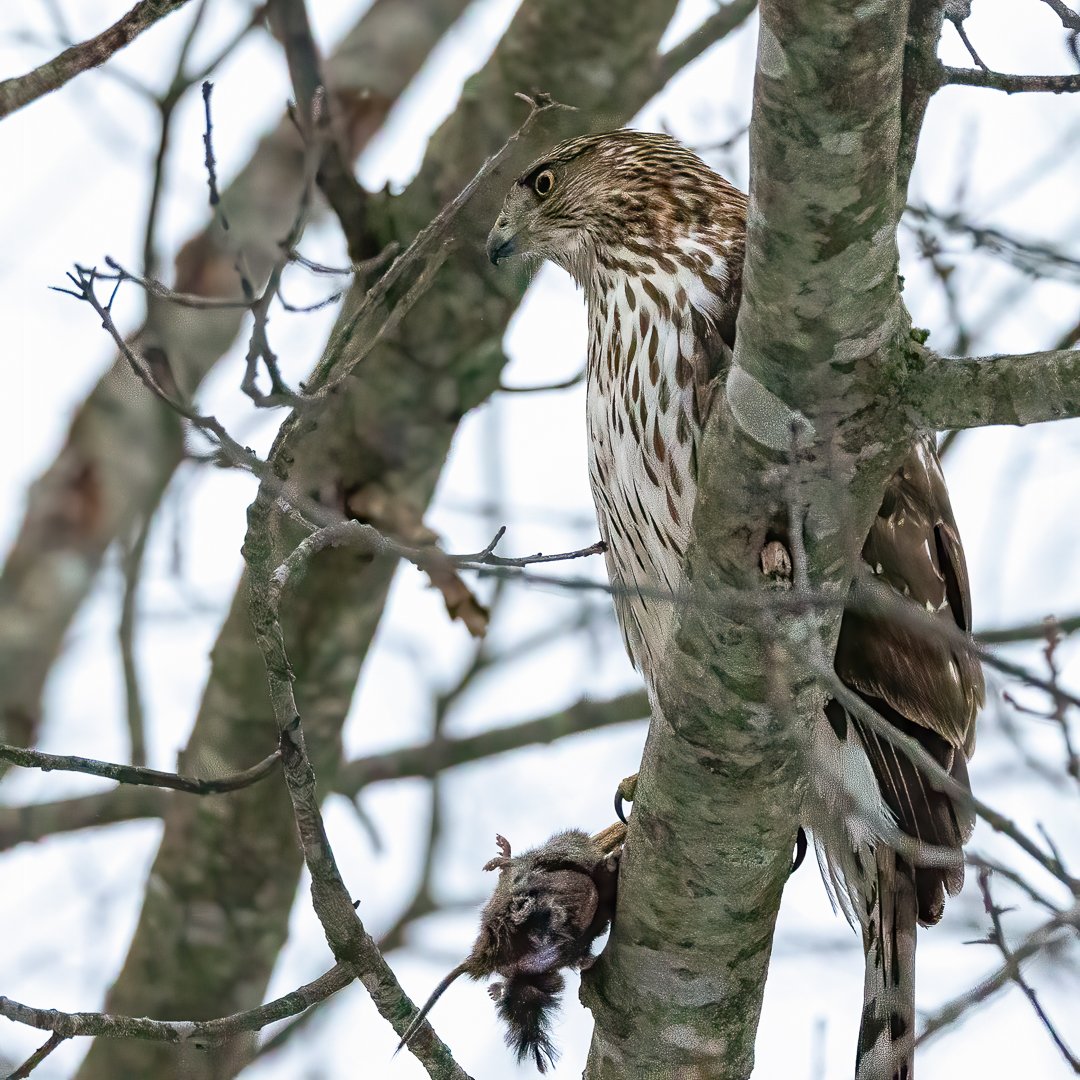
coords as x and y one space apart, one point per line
608 200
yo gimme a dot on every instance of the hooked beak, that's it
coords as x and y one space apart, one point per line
500 241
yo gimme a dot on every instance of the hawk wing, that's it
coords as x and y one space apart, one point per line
926 686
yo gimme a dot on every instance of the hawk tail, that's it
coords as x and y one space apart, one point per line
886 1034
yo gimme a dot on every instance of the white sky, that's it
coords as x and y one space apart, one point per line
76 174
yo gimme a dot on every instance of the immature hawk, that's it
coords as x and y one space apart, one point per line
656 240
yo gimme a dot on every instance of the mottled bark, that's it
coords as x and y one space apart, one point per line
826 363
973 391
227 868
821 325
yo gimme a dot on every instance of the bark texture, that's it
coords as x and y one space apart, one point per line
678 989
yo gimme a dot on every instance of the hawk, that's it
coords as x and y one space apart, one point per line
656 240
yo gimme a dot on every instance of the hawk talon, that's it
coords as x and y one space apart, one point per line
800 851
625 793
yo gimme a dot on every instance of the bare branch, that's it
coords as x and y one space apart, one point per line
17 92
1008 635
37 1057
428 245
200 1033
132 564
38 821
344 930
564 384
1030 258
117 436
1069 18
319 120
716 27
1046 936
487 557
208 145
1010 84
959 24
431 758
964 392
997 937
134 774
22 824
1018 880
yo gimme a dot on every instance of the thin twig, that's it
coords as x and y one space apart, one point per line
208 144
429 242
435 756
1009 84
487 556
26 824
38 1056
1030 258
132 562
17 92
543 388
997 937
134 774
199 1033
1046 936
1021 882
958 23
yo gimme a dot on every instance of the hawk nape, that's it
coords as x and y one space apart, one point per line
656 240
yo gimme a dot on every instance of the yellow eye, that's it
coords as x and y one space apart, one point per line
544 184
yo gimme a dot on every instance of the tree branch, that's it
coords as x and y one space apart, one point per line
38 821
20 91
37 1057
317 113
344 930
1036 942
726 19
431 758
28 824
1010 84
964 392
997 937
200 1033
133 774
1069 18
1007 635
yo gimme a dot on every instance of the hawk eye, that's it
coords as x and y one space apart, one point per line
544 184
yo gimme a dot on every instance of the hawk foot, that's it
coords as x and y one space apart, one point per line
625 793
800 851
610 841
